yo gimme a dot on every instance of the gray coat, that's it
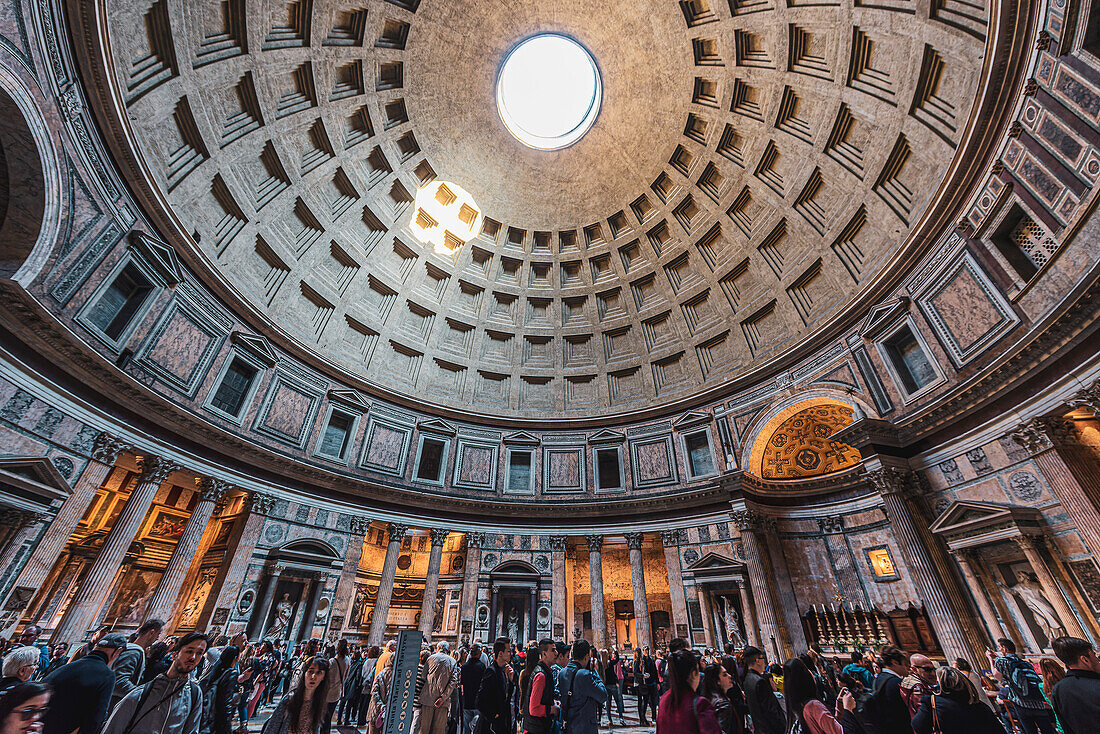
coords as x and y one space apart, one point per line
172 706
129 667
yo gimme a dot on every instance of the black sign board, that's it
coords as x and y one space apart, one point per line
406 665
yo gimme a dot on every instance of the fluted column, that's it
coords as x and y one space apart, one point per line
595 576
832 531
750 523
105 452
794 635
84 610
1050 587
470 573
431 583
239 549
637 585
670 541
932 581
166 598
749 615
345 585
385 586
558 589
1072 474
966 560
25 527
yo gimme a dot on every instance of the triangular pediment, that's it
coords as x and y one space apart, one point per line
691 418
159 255
882 316
606 436
967 517
256 346
435 425
350 398
713 560
521 438
33 478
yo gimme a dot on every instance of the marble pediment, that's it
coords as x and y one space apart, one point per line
977 519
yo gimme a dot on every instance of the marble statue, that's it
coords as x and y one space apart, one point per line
733 622
283 611
511 625
1028 590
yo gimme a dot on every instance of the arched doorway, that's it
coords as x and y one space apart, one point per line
514 607
294 600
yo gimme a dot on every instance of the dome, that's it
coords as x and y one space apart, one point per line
754 173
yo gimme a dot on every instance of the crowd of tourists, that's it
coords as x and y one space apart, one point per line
143 683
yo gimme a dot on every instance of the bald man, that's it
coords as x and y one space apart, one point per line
921 681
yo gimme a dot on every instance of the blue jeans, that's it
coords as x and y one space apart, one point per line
1035 721
614 691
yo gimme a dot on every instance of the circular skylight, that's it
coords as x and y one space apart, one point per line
548 91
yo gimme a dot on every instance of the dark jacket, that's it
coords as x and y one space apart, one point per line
1076 700
767 715
956 717
493 701
224 695
892 713
470 678
87 684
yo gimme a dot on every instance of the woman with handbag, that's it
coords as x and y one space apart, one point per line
302 711
379 699
956 709
682 709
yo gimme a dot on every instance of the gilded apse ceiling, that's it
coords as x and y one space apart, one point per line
754 167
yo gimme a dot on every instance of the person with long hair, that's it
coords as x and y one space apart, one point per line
338 664
965 668
612 681
23 707
956 709
219 691
682 709
715 688
302 711
530 662
805 709
379 698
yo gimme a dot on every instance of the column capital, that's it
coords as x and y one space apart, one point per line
963 555
748 520
831 524
213 489
475 540
106 448
634 541
439 535
1042 434
557 542
1087 398
261 503
397 531
670 538
155 470
889 480
22 518
595 543
359 525
1026 542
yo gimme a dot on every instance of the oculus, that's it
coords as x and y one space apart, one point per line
549 91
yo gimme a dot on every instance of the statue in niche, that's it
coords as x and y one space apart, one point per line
1028 591
733 622
283 612
511 624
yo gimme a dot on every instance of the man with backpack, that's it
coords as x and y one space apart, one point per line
1024 688
581 692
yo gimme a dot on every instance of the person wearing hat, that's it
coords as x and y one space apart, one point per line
87 684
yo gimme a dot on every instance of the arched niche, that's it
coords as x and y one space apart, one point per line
794 443
29 183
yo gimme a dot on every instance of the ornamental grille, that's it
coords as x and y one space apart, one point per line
1036 244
